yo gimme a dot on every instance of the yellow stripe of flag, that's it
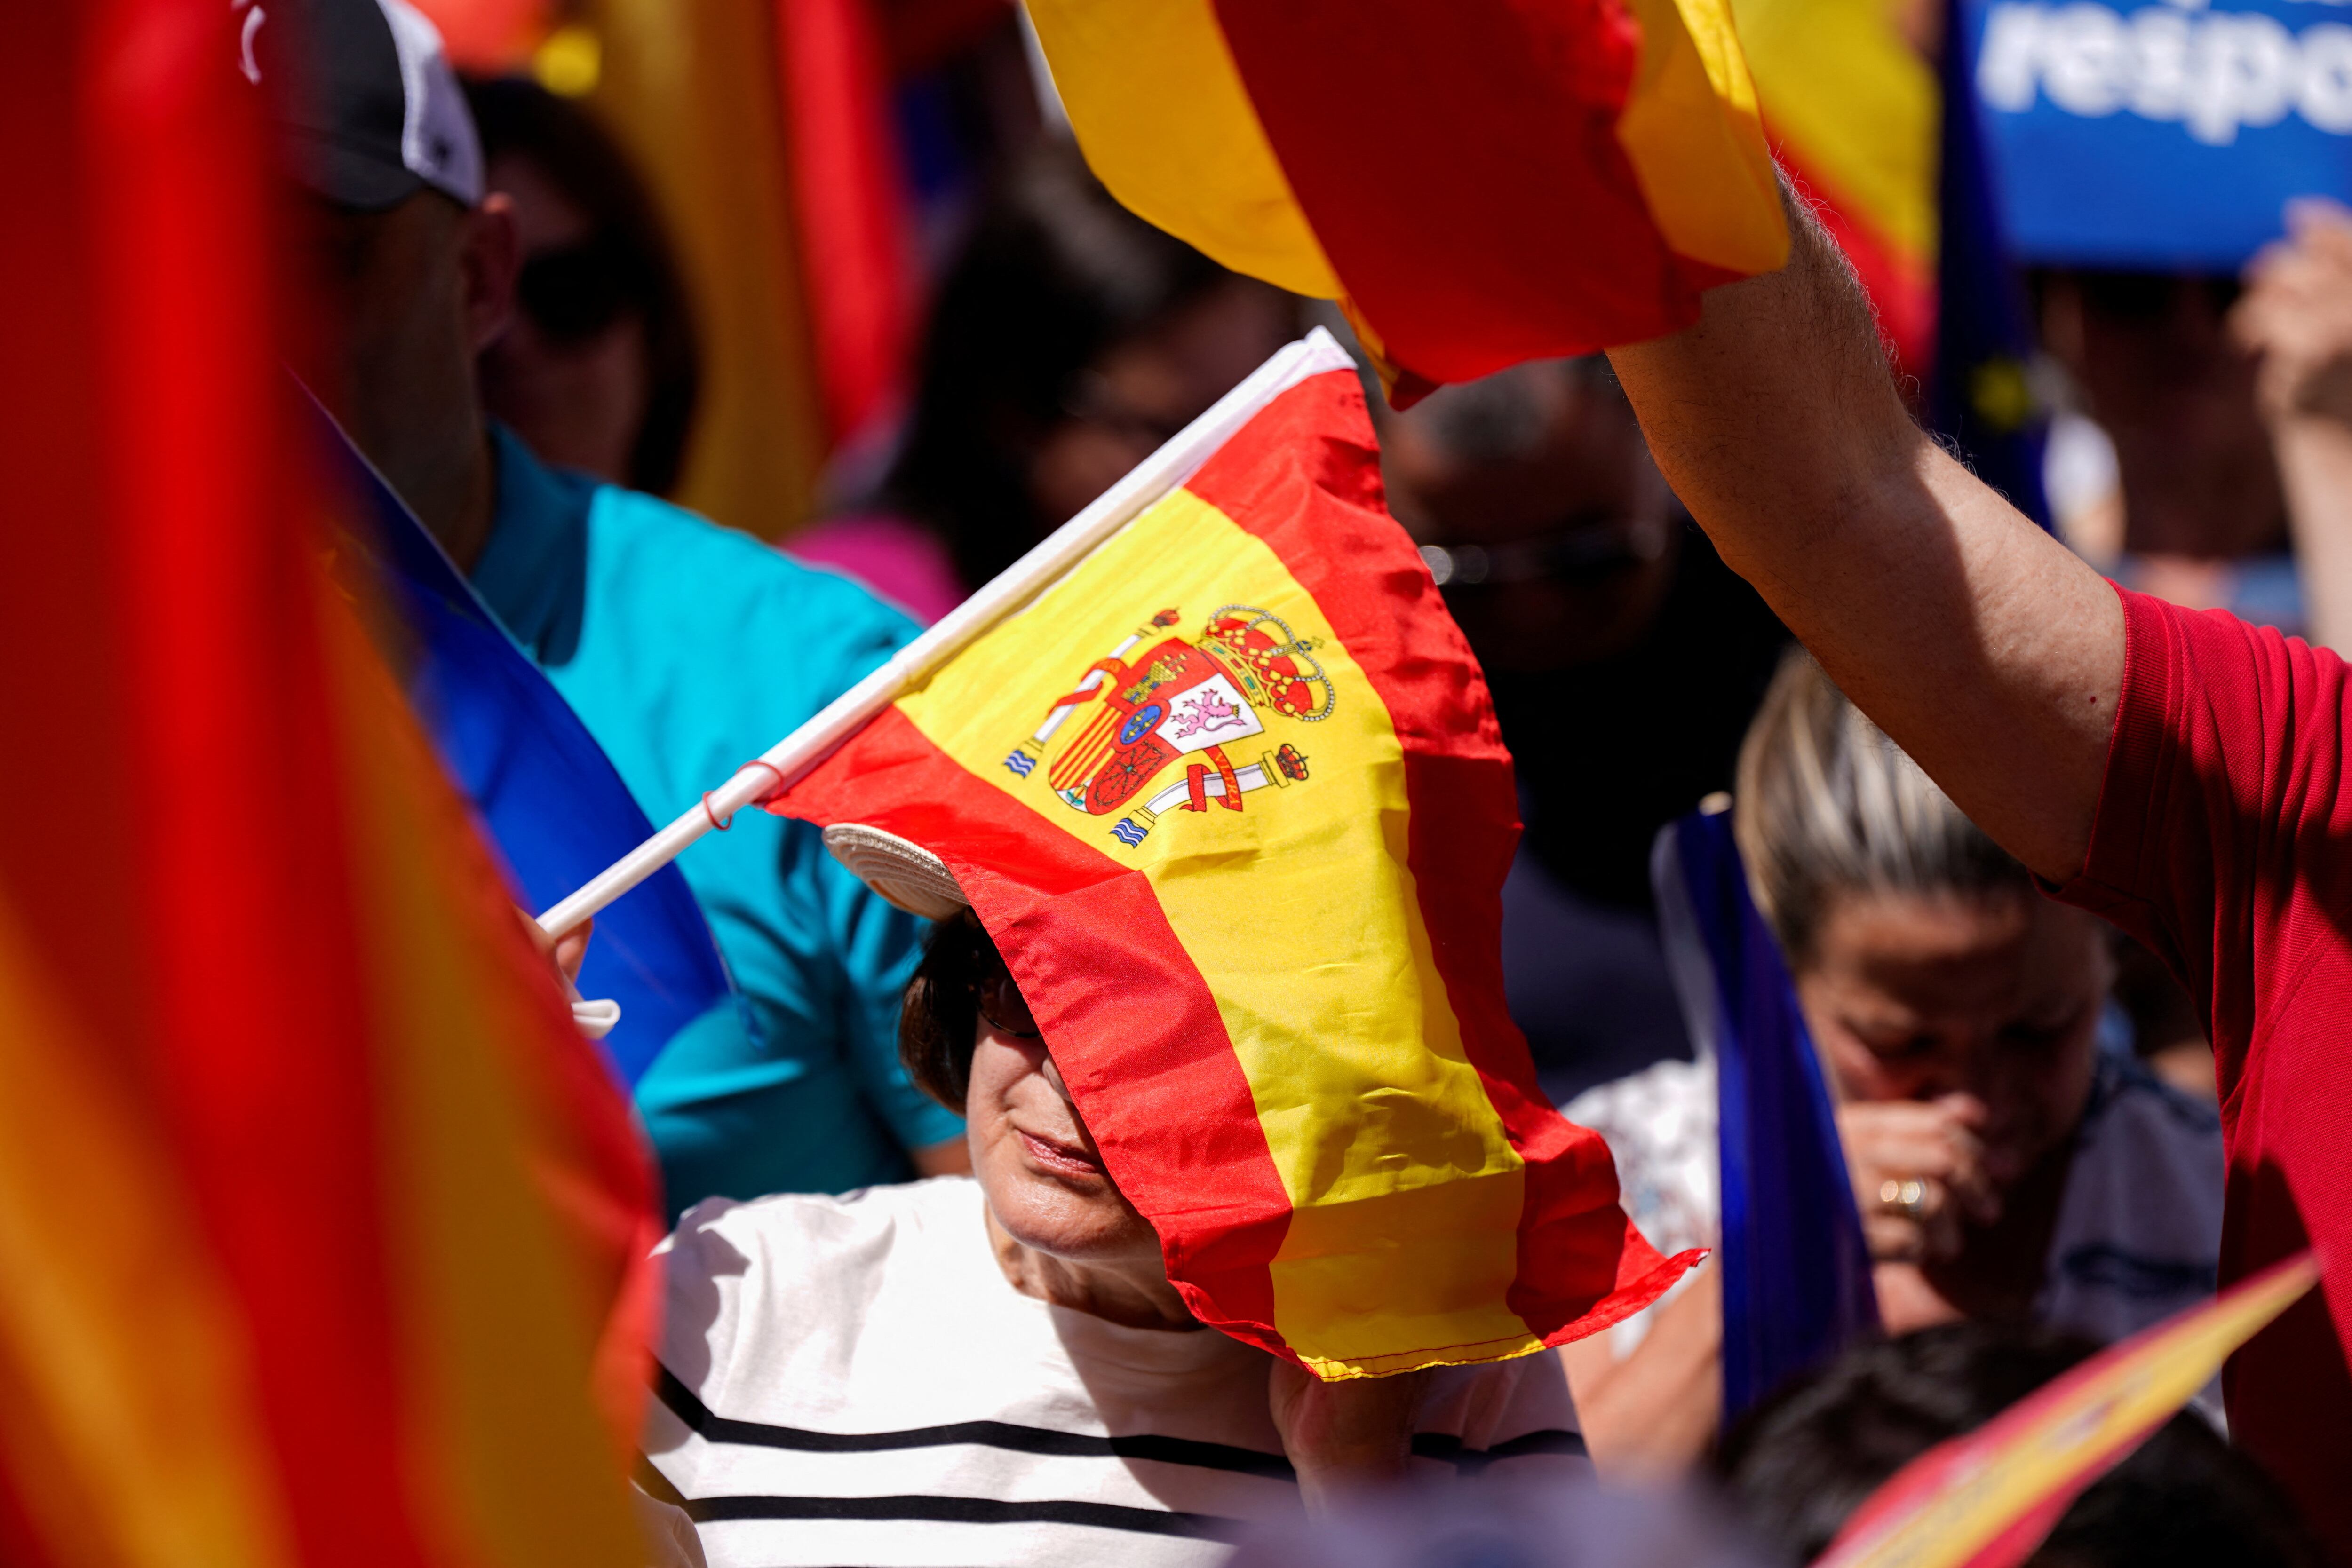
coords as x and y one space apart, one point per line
1153 95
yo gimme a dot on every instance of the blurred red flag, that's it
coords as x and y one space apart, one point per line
316 1210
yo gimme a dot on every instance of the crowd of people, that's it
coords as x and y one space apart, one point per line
2055 865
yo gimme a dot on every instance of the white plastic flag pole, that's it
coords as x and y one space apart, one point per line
783 763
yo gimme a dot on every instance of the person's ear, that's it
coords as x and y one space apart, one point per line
491 260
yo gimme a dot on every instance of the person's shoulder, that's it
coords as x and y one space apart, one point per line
815 1236
1659 1126
1666 1104
2139 1229
2149 1164
2125 1092
713 568
2219 664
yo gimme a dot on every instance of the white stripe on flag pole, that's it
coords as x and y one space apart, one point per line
784 762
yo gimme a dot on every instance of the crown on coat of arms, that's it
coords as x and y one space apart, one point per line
1278 671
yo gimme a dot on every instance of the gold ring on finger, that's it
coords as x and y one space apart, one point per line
1907 1196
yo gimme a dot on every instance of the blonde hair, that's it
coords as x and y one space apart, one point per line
1826 804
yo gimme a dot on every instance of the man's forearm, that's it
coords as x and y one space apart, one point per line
1979 643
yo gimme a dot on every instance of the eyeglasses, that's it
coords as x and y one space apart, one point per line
1001 1004
576 293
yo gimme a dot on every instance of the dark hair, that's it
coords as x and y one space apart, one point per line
631 250
1800 1463
1055 275
939 1020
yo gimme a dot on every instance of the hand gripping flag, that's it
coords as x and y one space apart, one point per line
1229 797
1480 182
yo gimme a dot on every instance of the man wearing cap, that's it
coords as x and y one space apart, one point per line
686 648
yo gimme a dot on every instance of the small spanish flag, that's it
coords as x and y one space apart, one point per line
1230 798
1989 1498
1481 182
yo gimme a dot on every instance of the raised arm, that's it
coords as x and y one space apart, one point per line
1982 645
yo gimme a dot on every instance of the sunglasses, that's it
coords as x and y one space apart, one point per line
999 1002
578 292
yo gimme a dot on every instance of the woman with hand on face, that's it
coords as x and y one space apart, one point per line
996 1370
2004 1164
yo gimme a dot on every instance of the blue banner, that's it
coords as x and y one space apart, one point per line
544 788
2162 137
1796 1274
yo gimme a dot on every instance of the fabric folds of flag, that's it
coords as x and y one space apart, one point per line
1796 1274
287 1090
1480 183
1231 798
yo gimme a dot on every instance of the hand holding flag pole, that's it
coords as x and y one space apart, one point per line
782 764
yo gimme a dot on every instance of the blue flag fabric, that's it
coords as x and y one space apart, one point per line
1979 395
1796 1274
542 787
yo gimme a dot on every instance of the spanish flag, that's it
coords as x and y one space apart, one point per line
313 1211
1230 798
1989 1498
1481 182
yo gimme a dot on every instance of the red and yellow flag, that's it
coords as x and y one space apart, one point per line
1230 799
1481 182
1852 109
313 1211
1989 1498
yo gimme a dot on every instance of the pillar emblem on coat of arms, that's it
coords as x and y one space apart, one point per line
1196 710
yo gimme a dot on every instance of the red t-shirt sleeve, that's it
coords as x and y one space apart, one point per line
2223 840
2221 799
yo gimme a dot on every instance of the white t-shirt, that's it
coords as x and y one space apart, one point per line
852 1381
2138 1235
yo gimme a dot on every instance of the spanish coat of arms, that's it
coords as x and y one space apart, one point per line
1199 704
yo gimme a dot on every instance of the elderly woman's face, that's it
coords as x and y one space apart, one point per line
1037 1163
1997 997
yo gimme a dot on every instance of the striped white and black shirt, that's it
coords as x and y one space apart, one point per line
851 1381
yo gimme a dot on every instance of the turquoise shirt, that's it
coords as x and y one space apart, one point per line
688 648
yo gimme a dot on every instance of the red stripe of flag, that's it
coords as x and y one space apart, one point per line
1458 163
239 827
849 194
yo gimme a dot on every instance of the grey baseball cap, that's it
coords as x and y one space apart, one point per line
367 109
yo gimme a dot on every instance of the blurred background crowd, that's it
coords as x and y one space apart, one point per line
832 273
